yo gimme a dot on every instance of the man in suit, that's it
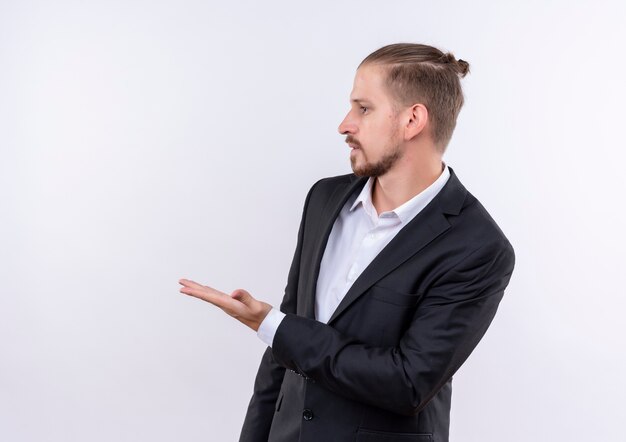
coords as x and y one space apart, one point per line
398 272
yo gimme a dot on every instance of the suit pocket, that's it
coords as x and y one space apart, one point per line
381 436
394 297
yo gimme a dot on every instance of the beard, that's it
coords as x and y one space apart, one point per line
382 166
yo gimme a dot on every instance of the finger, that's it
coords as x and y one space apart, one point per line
204 292
189 283
215 297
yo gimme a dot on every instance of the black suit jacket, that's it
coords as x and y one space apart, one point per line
381 368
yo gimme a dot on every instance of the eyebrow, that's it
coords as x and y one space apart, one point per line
360 100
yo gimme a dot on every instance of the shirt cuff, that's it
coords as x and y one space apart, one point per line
267 328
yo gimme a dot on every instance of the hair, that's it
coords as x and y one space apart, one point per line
417 73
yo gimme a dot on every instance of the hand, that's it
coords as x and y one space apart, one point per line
240 304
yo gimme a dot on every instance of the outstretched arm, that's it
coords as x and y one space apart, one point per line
251 312
449 322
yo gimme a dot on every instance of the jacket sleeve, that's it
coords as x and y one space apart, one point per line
450 320
256 426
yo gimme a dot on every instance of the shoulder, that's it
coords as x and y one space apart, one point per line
472 224
479 229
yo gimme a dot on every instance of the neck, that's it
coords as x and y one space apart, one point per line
403 182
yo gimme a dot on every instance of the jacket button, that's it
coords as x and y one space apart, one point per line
307 414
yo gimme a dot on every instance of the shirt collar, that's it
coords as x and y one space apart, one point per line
409 209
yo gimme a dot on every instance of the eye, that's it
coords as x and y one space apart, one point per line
363 109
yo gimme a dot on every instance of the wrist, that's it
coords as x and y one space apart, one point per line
264 311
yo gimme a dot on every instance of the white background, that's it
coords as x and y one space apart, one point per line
145 141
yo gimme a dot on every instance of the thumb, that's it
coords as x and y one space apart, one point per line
242 295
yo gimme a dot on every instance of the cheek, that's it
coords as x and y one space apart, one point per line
380 134
374 129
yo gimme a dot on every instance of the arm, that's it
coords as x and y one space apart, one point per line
269 377
448 324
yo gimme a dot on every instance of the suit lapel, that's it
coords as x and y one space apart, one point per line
328 215
419 232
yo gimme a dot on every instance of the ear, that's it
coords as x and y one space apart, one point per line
418 120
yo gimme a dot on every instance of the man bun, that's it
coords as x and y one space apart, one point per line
460 66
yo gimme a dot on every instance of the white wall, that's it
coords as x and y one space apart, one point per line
145 141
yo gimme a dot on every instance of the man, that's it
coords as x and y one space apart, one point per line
397 273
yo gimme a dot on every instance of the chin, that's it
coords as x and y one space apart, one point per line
360 172
355 169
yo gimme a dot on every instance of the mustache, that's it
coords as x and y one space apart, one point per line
351 140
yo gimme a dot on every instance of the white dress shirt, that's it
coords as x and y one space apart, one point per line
358 235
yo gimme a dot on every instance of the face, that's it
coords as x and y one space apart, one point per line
372 126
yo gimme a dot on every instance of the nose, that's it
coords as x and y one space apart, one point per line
347 126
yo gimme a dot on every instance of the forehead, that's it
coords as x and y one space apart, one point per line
368 85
